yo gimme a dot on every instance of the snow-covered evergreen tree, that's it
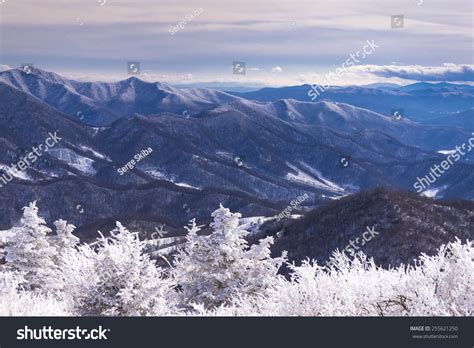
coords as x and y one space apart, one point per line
210 270
65 240
30 252
115 279
219 274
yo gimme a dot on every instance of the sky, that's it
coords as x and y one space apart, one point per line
281 42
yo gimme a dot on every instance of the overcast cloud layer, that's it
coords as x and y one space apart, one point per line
282 42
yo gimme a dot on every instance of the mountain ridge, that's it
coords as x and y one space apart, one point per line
405 225
254 157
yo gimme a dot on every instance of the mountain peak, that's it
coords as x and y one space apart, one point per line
28 72
135 79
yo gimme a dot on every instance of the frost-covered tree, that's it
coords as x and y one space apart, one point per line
438 285
211 270
65 240
442 284
17 301
116 278
30 252
219 274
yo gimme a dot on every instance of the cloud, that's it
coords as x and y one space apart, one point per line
446 72
277 70
4 67
357 75
41 32
392 73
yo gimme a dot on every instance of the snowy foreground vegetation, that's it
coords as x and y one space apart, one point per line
50 273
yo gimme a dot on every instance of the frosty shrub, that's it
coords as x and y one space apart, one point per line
211 270
437 285
16 301
116 279
218 274
443 284
31 253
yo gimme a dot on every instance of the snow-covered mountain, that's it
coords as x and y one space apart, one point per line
420 102
404 224
345 118
254 157
101 103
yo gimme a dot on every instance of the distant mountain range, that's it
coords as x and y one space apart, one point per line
211 147
421 102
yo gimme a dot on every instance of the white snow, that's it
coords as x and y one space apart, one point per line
156 173
165 251
433 193
224 154
253 224
320 176
447 152
164 241
182 184
6 235
253 285
81 163
95 153
49 173
19 174
295 216
318 181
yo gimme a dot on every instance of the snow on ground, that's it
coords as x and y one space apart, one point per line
334 197
322 178
318 182
49 173
81 163
95 153
433 193
295 216
224 154
19 174
182 184
447 152
97 130
154 172
253 224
